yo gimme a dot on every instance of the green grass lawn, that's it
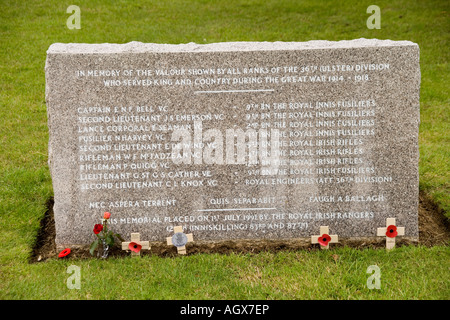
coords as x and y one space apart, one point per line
27 28
406 273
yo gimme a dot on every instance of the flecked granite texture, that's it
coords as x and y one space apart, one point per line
388 149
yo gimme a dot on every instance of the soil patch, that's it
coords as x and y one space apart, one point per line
434 229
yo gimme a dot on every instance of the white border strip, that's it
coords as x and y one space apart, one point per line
237 209
231 91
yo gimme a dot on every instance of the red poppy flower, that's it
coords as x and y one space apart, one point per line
98 228
134 246
64 253
391 231
106 215
324 239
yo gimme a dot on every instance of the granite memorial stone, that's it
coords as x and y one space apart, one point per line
234 141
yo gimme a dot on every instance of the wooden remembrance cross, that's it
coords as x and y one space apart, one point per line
179 239
390 231
136 238
324 230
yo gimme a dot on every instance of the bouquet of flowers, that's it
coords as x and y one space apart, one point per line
105 237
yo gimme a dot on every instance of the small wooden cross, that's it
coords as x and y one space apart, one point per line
390 232
136 238
322 238
179 239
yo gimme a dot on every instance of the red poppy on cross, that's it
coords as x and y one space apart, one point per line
391 231
135 245
324 239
